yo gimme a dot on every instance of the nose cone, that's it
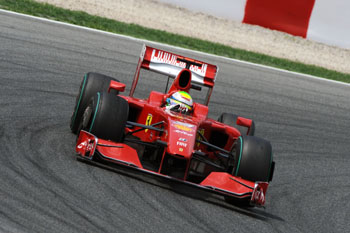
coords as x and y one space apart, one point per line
182 138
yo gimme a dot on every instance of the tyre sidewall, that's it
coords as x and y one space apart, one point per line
108 117
90 85
253 158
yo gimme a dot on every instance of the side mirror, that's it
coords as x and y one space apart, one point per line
245 122
116 86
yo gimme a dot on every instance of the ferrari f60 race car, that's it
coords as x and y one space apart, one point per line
222 157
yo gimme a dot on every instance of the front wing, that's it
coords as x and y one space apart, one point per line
220 183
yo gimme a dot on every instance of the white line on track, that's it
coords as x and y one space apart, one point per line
171 46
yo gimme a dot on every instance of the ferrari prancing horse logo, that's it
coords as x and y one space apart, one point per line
148 120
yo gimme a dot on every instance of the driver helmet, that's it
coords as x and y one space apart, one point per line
180 101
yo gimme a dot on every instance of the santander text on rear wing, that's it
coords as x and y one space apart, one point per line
171 64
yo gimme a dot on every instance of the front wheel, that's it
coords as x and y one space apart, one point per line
253 159
90 85
106 116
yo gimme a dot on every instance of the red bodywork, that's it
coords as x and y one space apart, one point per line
172 141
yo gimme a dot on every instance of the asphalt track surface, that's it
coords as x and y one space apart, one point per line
43 188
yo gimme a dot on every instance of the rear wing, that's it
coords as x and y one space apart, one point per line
171 64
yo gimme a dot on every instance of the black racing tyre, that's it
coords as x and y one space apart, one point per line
231 120
106 116
253 159
90 85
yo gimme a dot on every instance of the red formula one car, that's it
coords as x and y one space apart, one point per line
186 146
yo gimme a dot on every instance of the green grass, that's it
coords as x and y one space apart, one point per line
81 18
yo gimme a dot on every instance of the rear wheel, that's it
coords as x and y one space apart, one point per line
231 120
105 116
90 85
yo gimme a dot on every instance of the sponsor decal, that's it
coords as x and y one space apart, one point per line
90 146
81 145
183 139
258 195
165 57
87 146
181 149
183 126
199 70
184 133
168 58
183 144
148 120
